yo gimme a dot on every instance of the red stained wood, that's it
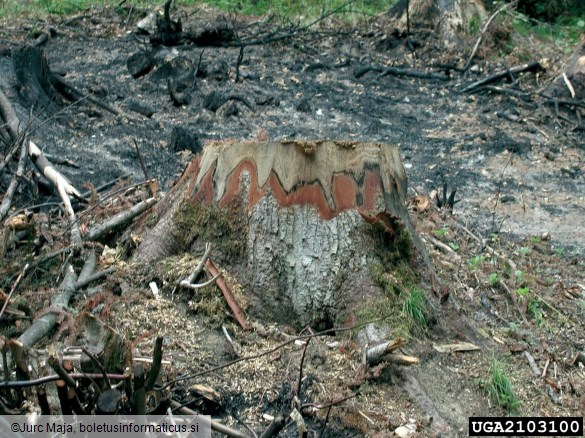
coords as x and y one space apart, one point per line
345 191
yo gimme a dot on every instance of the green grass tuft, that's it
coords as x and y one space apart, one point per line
500 389
300 11
417 310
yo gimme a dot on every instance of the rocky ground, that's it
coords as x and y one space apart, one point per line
517 168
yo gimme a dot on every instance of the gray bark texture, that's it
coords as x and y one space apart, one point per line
306 250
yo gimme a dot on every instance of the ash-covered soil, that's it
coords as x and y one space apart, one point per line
525 178
520 179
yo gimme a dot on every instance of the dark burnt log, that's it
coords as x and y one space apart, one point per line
168 32
140 63
36 84
216 99
215 34
396 71
509 73
183 139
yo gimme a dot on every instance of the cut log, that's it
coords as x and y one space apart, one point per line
293 228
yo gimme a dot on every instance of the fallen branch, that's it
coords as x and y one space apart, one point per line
483 32
374 354
14 287
43 325
532 363
79 95
88 267
102 230
234 306
533 66
54 377
188 282
401 359
96 276
7 200
396 71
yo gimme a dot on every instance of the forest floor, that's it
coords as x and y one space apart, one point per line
515 267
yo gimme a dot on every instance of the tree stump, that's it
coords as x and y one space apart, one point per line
35 82
448 19
571 83
287 218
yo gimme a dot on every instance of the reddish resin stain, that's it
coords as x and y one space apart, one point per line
345 190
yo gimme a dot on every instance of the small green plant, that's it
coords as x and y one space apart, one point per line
520 278
535 240
416 309
475 261
525 250
500 389
494 279
474 25
536 311
441 231
454 246
523 291
560 251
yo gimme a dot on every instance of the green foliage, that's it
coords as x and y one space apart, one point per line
474 25
454 246
494 279
304 10
535 240
523 291
441 231
535 309
475 261
500 389
524 250
417 310
520 278
301 11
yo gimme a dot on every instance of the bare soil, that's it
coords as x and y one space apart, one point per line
520 186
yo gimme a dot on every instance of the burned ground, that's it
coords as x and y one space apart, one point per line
517 168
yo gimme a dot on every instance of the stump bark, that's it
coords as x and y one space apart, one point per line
571 83
447 18
291 222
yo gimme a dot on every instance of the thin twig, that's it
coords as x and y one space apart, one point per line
7 200
301 369
97 363
141 161
483 31
52 378
14 286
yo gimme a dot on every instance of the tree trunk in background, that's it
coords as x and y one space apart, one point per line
446 17
575 75
290 224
